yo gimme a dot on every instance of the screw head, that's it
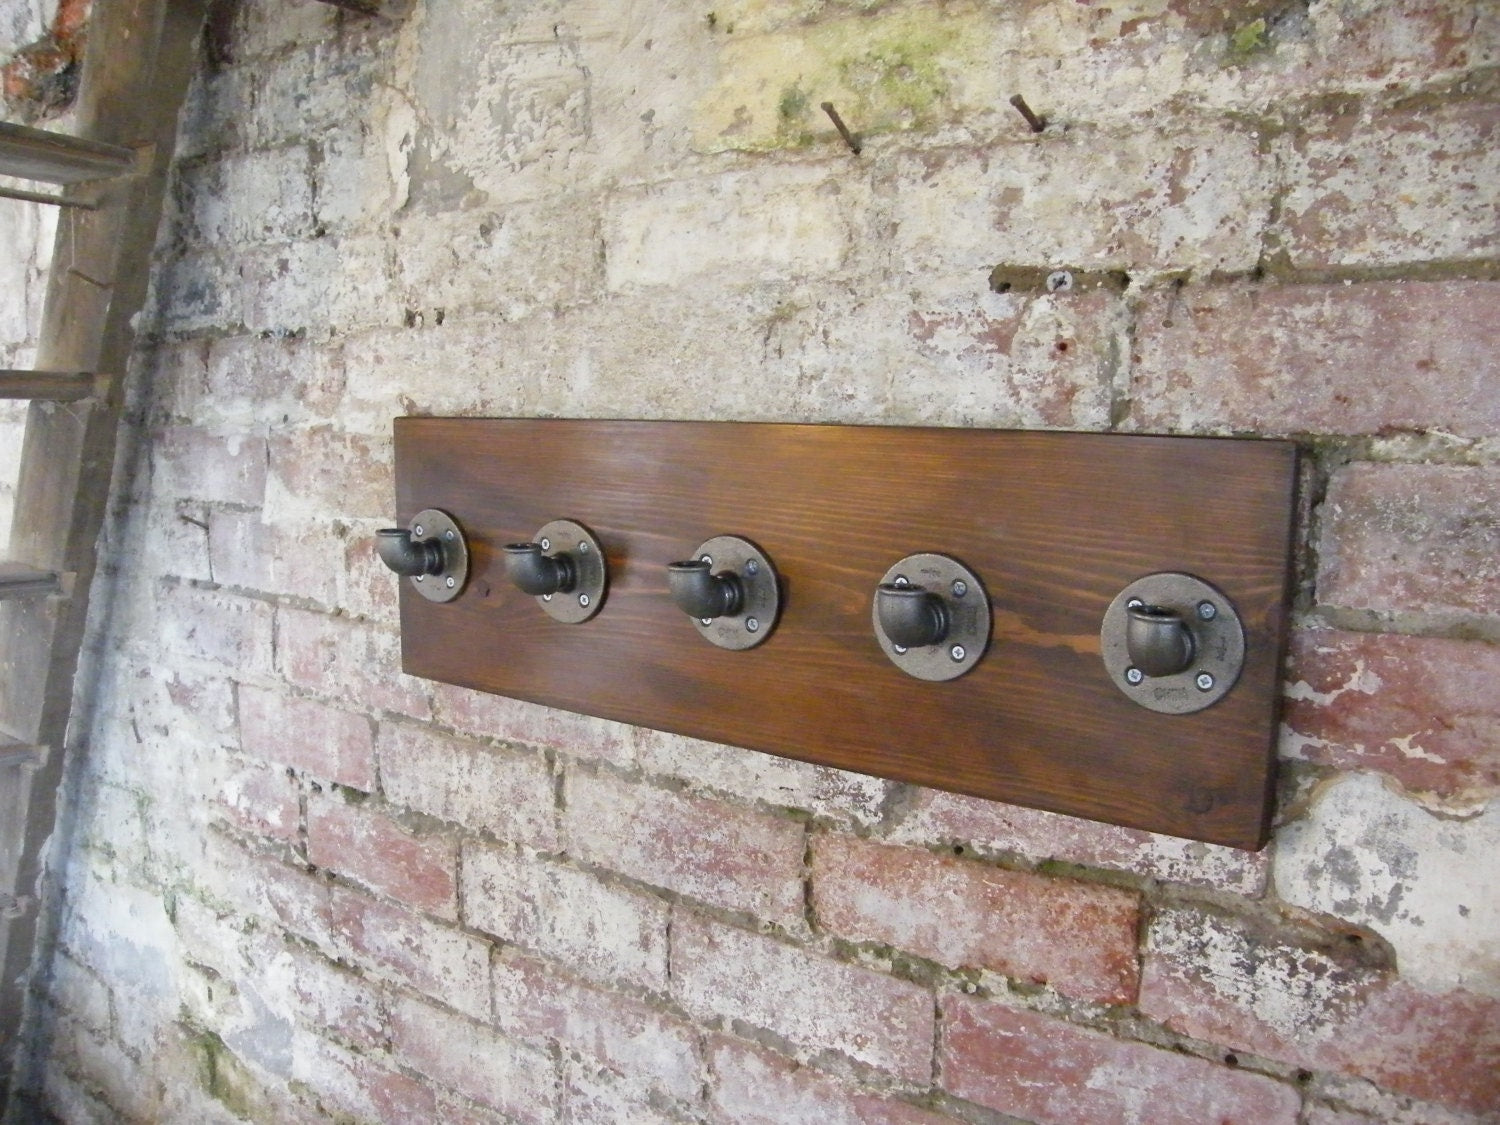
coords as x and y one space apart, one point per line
752 624
583 546
705 620
417 531
1059 281
900 650
545 543
958 652
448 535
583 600
1207 611
709 559
1204 681
421 578
960 587
450 582
1134 603
752 568
900 580
1134 675
546 597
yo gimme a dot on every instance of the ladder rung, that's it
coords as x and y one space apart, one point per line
18 581
21 754
55 386
56 158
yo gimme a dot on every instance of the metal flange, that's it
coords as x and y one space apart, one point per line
957 609
1200 623
580 547
741 566
431 525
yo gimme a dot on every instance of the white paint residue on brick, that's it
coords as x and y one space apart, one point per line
1425 883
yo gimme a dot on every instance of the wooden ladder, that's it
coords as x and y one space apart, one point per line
112 177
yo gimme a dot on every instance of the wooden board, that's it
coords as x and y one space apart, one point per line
1055 524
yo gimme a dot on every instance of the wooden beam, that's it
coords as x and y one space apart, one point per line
17 581
51 386
21 754
139 61
55 158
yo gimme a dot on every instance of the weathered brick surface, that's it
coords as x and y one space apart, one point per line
486 788
987 827
473 1060
1422 710
264 799
809 1000
214 628
363 843
229 467
1320 1004
1412 538
1051 1072
327 742
1080 939
347 660
534 1002
1359 179
515 720
708 850
1331 359
356 1085
754 1087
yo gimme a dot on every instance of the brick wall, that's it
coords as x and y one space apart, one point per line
296 882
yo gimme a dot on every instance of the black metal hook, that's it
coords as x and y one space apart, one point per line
702 594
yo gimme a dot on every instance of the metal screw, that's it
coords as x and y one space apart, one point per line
546 597
1207 611
705 620
583 547
1134 675
451 582
958 652
417 531
960 587
709 559
448 535
545 544
583 600
901 580
1204 681
1037 123
900 649
752 568
1134 603
421 578
1059 281
752 625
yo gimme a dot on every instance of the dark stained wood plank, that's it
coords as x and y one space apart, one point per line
1055 524
51 386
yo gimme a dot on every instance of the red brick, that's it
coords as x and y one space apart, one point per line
723 973
350 660
330 998
324 472
360 841
261 886
509 794
284 559
533 1001
221 629
1339 359
750 1086
324 741
1054 1073
262 799
720 854
1076 937
1418 538
404 948
971 825
266 373
603 932
593 1094
1323 1004
472 1060
346 1083
1361 188
1423 710
514 720
226 467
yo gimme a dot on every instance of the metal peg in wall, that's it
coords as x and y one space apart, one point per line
563 568
730 590
431 551
1172 643
932 617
